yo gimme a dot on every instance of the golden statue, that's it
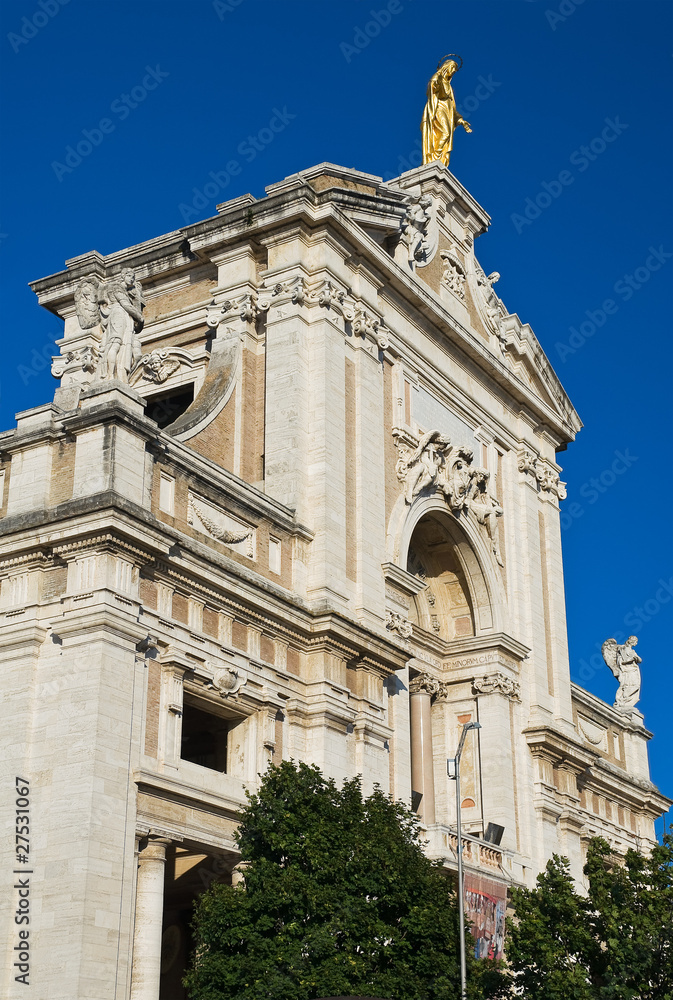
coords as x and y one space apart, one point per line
441 115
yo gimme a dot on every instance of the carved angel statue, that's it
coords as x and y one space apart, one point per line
441 115
416 225
422 467
117 305
623 662
485 508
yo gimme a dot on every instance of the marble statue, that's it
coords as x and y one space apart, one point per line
423 466
418 218
441 115
117 307
485 508
623 662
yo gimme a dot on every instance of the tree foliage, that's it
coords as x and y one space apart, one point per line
615 943
338 898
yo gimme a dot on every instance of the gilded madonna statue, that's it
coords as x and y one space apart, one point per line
441 115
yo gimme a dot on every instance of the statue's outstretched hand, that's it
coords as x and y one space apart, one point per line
466 125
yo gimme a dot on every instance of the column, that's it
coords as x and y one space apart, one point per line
421 690
149 920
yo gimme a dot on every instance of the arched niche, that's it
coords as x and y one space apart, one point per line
453 556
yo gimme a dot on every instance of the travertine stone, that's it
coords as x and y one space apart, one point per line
363 489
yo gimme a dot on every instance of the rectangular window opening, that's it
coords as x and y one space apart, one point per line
205 736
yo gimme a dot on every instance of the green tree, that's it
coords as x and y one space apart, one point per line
338 898
612 944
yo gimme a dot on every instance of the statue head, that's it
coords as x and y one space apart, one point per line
128 277
632 640
449 65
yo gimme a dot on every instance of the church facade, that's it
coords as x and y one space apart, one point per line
296 496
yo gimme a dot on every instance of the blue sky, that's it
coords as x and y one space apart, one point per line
161 95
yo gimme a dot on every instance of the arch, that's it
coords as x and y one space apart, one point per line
471 549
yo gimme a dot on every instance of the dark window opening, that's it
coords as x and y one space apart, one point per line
204 738
166 407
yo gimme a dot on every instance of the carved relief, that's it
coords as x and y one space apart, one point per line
453 276
549 481
397 623
546 477
527 461
592 732
436 464
82 359
486 509
490 306
227 681
421 467
497 682
294 288
219 525
364 324
248 307
157 366
415 230
423 682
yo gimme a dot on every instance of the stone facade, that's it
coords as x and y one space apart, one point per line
313 515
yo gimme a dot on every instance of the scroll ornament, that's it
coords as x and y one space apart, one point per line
546 477
497 682
423 683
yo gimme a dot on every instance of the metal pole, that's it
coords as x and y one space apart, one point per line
461 900
459 851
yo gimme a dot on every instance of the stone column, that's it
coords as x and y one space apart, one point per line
149 920
421 690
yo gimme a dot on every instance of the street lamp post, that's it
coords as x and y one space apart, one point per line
453 770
